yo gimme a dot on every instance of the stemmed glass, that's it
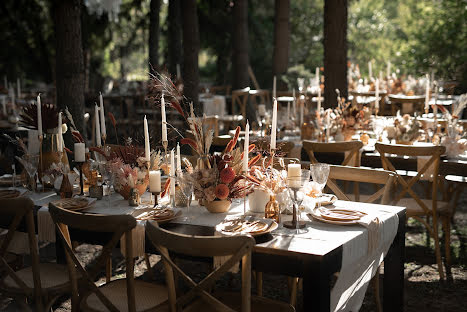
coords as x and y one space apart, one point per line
295 187
301 84
320 173
30 164
378 127
186 186
107 178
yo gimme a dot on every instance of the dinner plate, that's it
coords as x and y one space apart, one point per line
159 215
316 215
6 194
249 226
74 204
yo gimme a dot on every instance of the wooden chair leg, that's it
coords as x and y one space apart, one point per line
108 270
259 283
437 249
293 288
148 264
447 242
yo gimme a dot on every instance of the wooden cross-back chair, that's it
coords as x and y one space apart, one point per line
362 175
42 282
417 207
350 149
239 102
118 295
237 247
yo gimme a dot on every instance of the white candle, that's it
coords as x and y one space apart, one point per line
4 105
370 72
388 70
39 115
302 104
245 147
179 159
377 94
317 76
274 125
60 137
98 127
103 129
80 152
427 93
435 107
179 75
274 88
155 181
164 121
18 86
294 104
319 100
328 124
294 173
147 148
172 173
288 111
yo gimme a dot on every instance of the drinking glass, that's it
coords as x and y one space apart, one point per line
107 179
186 186
30 164
319 174
295 187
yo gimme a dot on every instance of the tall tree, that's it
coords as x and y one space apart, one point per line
154 35
190 52
281 40
175 36
240 45
335 50
69 58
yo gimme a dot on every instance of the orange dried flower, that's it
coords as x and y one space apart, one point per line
227 175
222 191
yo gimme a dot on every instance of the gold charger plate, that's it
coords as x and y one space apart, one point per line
72 204
159 215
5 194
251 227
317 215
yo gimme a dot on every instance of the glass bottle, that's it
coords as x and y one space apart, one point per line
272 210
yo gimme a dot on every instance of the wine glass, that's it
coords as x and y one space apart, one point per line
295 187
107 178
320 173
378 127
301 84
186 186
30 164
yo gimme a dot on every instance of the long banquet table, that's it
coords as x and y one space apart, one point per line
316 255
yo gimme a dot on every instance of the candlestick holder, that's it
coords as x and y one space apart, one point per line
156 201
81 180
272 151
294 224
104 137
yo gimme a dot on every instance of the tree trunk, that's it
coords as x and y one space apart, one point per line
175 37
281 41
335 50
190 52
69 59
240 45
154 35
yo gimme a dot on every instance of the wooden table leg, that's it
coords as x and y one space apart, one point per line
393 292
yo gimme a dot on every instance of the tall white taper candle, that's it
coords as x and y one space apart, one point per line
39 115
245 147
98 126
274 124
60 136
103 129
164 120
147 147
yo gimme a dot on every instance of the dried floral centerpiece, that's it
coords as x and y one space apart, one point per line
128 166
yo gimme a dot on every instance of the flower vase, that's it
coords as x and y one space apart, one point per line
272 210
218 206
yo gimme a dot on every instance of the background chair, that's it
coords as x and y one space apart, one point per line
118 295
237 247
417 207
42 282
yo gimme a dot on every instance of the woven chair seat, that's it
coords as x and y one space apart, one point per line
414 209
147 296
233 300
52 276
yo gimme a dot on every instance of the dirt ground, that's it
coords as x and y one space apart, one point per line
423 289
